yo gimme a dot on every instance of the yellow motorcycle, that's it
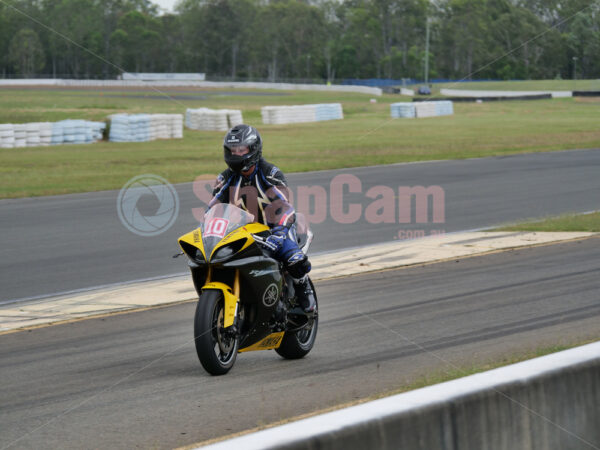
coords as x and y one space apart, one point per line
246 299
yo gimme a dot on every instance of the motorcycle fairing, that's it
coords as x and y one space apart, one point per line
244 232
193 238
231 301
272 341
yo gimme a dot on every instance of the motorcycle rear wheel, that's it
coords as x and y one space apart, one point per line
297 344
216 350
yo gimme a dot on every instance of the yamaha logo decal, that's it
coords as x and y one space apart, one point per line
271 295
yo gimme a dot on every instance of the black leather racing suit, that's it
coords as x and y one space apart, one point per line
264 194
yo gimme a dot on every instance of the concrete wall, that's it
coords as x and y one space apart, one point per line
547 403
200 84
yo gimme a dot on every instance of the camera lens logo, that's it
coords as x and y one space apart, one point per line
148 205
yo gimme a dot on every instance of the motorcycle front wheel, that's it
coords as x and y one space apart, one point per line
216 348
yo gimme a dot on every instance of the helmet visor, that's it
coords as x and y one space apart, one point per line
238 150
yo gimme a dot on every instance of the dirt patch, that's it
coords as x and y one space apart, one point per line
587 99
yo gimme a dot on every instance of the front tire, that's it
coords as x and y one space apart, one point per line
216 349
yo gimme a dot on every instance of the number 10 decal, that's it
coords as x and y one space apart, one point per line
216 227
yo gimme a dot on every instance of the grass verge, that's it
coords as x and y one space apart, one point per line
565 222
366 136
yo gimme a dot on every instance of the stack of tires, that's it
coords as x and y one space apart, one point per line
444 108
20 135
421 109
206 119
7 136
328 111
274 115
425 109
145 127
36 134
402 110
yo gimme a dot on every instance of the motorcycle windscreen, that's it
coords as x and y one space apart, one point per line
219 221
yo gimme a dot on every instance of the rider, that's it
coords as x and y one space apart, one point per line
259 187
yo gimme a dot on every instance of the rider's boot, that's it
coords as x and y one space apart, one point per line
305 294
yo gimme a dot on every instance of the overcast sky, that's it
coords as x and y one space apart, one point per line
166 4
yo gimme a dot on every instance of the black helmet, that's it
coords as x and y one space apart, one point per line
242 136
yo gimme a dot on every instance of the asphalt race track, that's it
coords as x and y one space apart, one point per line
133 380
63 243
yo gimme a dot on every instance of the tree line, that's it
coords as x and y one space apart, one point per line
303 40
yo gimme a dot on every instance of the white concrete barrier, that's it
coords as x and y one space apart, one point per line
547 403
144 76
31 82
200 84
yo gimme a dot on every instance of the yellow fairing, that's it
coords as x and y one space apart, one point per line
240 233
270 342
194 238
230 301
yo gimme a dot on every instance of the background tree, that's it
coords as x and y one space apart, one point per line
316 39
26 53
4 29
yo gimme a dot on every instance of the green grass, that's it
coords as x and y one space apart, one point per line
566 222
456 372
367 135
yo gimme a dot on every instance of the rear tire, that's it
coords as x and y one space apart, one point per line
216 350
297 344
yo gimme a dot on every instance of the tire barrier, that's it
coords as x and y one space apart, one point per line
425 109
402 110
444 108
206 119
421 109
275 115
524 95
547 403
7 136
145 127
36 134
493 99
586 93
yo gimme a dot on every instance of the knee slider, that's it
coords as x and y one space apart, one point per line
298 265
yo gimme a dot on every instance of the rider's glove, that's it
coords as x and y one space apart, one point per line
278 236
